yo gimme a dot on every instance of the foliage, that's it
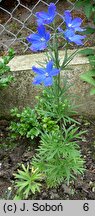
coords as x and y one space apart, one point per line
30 123
26 123
5 77
58 108
58 157
89 76
27 181
88 7
46 115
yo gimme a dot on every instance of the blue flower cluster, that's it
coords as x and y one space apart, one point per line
72 26
40 40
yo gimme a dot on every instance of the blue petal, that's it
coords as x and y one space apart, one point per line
38 70
40 21
76 22
33 37
69 33
42 30
47 36
77 39
38 79
72 37
46 17
52 10
49 66
54 72
48 81
38 46
43 33
60 30
79 29
42 15
42 18
67 17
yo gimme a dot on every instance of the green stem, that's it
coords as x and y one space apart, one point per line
56 55
67 59
57 79
65 56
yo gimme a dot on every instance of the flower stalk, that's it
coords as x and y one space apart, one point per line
50 75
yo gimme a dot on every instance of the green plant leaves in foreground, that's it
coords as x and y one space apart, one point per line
58 156
27 181
5 76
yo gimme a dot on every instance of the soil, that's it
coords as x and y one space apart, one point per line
15 27
15 152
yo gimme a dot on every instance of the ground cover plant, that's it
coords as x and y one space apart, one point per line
5 75
58 157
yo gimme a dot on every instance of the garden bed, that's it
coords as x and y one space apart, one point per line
15 152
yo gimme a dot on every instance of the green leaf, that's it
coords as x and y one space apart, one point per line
88 77
89 30
17 197
1 66
88 10
92 60
80 3
92 91
11 52
87 51
27 191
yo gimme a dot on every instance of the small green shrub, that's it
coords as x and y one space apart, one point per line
5 74
26 123
47 115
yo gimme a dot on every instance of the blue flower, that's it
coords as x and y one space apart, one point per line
46 17
70 36
73 24
39 40
44 75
